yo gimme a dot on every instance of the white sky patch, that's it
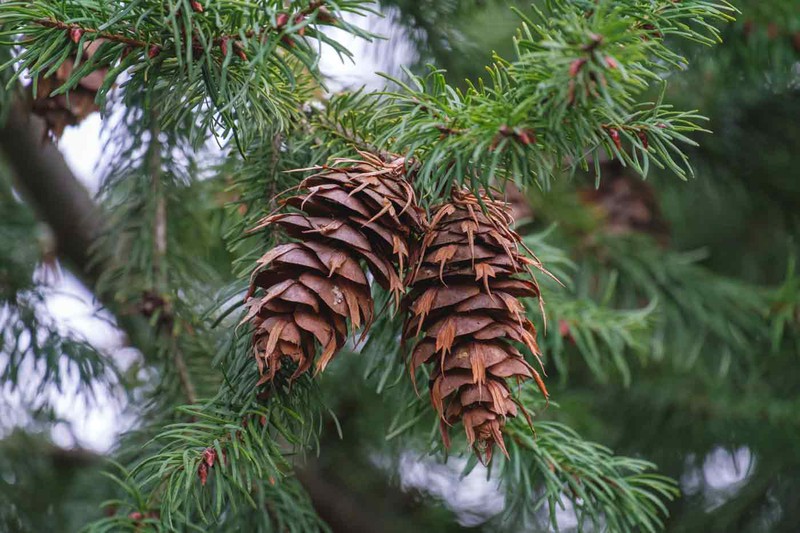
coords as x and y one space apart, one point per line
76 309
82 148
92 418
474 498
369 58
723 473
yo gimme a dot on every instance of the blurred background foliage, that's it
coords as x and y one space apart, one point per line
675 338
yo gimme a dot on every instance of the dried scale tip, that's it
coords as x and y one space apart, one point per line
464 303
346 213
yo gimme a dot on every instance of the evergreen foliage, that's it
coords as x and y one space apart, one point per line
657 351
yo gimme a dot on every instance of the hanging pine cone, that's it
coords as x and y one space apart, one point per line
70 109
625 203
351 211
464 302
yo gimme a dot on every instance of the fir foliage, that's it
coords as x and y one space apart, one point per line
207 105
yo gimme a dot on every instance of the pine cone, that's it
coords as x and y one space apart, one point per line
626 204
465 302
352 211
69 109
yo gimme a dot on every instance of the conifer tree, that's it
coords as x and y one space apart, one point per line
253 228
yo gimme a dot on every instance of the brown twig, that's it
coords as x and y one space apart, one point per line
183 374
57 24
160 253
358 142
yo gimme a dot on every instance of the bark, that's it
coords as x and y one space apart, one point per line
47 184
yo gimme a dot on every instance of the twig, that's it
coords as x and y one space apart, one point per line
57 24
160 252
183 373
356 140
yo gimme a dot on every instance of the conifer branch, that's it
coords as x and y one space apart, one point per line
570 93
55 193
316 8
240 81
606 491
160 267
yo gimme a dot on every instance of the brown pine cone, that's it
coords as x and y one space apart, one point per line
69 109
625 204
464 302
351 211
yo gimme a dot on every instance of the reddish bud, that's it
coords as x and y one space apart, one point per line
596 40
136 515
202 473
747 28
773 30
154 51
197 7
565 331
324 16
263 420
271 480
75 34
576 67
239 51
505 130
614 134
652 29
209 456
611 63
643 137
281 20
288 41
443 129
223 46
526 136
298 19
571 92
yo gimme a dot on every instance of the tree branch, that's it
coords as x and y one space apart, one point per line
59 25
318 7
50 187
